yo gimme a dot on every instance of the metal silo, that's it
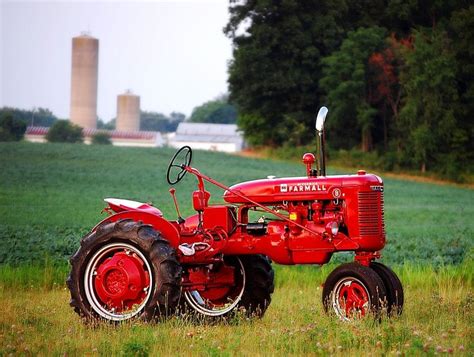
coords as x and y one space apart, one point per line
128 112
85 58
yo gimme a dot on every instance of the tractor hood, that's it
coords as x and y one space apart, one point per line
299 188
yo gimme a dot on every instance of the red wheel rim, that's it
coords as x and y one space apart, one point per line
350 299
121 281
219 301
117 281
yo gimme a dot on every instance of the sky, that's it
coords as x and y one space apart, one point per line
173 54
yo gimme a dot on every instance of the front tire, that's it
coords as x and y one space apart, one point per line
393 286
353 291
124 270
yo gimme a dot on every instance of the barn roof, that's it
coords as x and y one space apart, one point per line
207 132
114 134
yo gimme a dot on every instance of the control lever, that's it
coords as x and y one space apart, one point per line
173 195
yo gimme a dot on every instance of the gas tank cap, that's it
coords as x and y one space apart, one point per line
361 172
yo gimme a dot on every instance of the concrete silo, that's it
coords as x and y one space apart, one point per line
128 112
85 60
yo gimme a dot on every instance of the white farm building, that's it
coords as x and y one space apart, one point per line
207 136
37 134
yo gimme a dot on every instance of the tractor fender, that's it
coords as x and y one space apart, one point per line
167 230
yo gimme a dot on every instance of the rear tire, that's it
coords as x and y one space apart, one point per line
260 284
393 286
124 270
251 295
352 291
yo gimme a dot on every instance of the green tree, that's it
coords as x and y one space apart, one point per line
278 47
461 28
35 117
402 16
276 66
64 131
101 138
386 91
177 117
218 110
110 125
152 121
428 116
349 95
10 129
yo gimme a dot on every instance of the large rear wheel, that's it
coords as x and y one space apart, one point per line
250 291
124 270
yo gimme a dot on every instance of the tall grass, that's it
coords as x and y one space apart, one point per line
43 277
438 318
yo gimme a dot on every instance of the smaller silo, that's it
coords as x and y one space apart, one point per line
128 112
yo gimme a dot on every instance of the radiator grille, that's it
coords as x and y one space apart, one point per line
371 221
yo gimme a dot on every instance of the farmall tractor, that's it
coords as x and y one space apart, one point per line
137 264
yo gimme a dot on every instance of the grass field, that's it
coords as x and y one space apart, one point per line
51 194
438 318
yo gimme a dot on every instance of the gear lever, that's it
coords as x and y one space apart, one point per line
173 195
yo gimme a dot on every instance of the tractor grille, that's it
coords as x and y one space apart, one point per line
371 222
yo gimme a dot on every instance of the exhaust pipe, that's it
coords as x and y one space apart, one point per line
321 161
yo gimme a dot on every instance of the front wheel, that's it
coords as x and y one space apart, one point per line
253 285
124 270
353 291
393 286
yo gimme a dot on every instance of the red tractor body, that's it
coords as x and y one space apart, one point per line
221 251
352 203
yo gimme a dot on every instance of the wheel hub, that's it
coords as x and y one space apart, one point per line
115 282
353 298
121 281
223 289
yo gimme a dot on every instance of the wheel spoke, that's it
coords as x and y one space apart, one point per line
350 298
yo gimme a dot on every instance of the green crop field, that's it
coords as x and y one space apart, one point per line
51 195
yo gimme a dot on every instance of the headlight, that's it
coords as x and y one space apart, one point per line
332 228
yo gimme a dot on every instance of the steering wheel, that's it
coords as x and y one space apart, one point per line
175 170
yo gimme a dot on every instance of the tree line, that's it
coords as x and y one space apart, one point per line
397 77
13 121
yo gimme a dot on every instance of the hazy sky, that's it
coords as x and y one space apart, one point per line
171 53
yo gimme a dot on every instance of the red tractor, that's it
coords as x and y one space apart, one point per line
137 264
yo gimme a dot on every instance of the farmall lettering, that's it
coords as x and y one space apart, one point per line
302 187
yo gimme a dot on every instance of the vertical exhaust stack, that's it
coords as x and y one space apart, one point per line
321 161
